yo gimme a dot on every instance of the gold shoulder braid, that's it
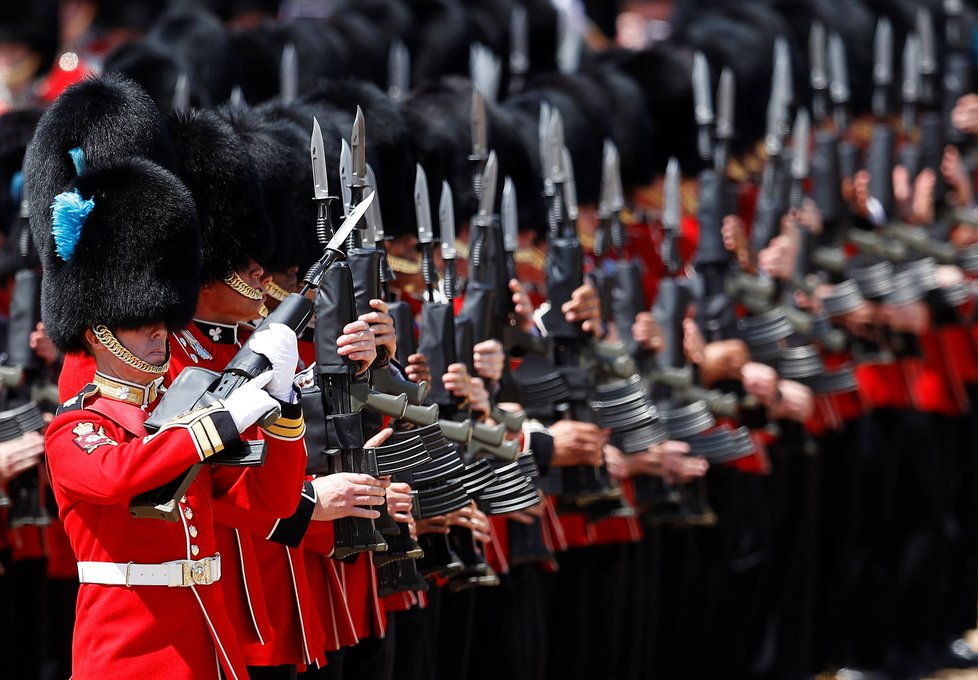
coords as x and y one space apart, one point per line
239 286
111 343
276 292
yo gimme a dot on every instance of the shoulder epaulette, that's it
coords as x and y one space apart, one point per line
77 402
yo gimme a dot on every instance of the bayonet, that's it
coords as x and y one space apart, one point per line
785 77
799 156
819 72
398 71
374 232
882 67
910 89
181 93
928 58
349 224
611 199
543 140
484 71
570 187
317 154
508 217
519 61
569 41
288 75
346 176
703 105
839 81
236 99
671 217
775 106
487 200
558 169
426 235
358 144
480 140
446 225
725 120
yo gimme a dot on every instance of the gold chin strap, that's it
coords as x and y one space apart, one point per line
241 287
401 265
119 351
276 292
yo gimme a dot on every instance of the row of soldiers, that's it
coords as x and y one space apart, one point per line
461 378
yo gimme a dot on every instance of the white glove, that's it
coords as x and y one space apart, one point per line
250 402
278 344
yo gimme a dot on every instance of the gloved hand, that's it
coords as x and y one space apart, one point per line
278 344
250 402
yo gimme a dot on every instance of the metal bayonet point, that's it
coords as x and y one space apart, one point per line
702 97
288 75
784 73
477 126
558 169
569 42
883 53
422 206
346 175
237 97
519 61
799 145
670 197
358 144
611 199
925 29
446 221
487 200
350 223
508 217
181 93
570 188
910 88
485 71
543 141
725 105
375 223
398 71
317 152
838 70
816 56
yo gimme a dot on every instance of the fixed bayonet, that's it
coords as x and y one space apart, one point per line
558 169
775 116
519 50
928 58
785 75
480 140
487 201
485 71
426 235
570 186
346 176
819 73
398 71
839 81
446 225
703 106
288 75
882 67
508 217
543 141
320 181
725 120
671 217
375 225
181 93
611 201
569 43
358 147
799 156
910 87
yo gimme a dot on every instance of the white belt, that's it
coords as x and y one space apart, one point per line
175 574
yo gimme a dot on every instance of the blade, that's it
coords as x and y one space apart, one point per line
543 139
398 70
703 107
350 223
375 222
839 70
569 43
487 200
358 143
910 90
570 188
785 75
670 197
477 124
346 174
446 221
519 49
317 151
725 105
422 208
775 114
816 56
925 29
181 93
558 169
611 200
883 53
485 71
508 217
288 75
237 97
799 145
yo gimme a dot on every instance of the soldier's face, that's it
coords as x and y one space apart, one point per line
220 303
148 343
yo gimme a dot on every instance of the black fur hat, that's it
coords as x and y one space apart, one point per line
198 38
16 129
280 153
215 165
35 24
439 42
157 70
107 117
123 251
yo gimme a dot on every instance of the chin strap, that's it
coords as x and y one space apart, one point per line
276 292
241 287
119 351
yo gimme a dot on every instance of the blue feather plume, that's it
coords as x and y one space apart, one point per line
17 186
69 210
78 158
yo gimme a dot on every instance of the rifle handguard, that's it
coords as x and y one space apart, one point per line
829 259
507 450
383 381
513 422
917 239
421 415
871 244
492 435
456 431
386 404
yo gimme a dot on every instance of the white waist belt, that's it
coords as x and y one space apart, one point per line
176 574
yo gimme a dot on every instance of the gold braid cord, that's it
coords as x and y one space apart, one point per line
276 292
119 351
239 286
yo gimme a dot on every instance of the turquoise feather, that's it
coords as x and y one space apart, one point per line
78 158
69 210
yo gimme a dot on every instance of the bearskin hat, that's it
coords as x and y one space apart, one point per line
123 250
157 70
34 24
107 117
215 165
16 129
199 40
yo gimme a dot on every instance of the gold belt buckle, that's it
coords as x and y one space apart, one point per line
197 573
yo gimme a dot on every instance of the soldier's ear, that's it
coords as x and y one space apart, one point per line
90 341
